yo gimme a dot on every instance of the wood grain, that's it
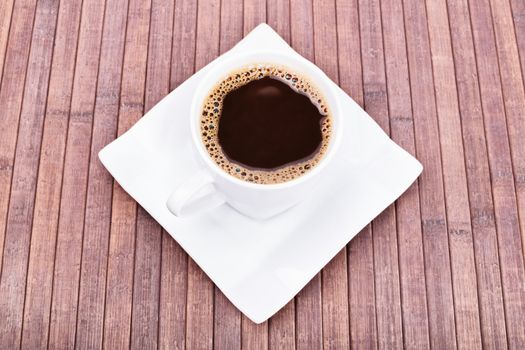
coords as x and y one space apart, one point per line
231 24
25 172
227 323
173 291
92 285
39 286
11 92
387 289
363 322
146 280
83 266
302 33
254 13
433 217
410 243
146 313
454 176
281 328
278 12
174 264
362 316
478 178
514 100
6 11
518 17
148 249
121 257
500 162
63 323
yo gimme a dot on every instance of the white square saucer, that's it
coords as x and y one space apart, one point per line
261 265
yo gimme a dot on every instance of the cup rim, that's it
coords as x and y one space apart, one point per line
316 76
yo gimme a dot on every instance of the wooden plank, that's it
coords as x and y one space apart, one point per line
349 49
119 285
308 319
145 312
481 205
174 265
281 327
174 278
302 32
433 216
518 16
47 199
363 325
477 216
386 267
454 175
71 214
336 330
410 242
499 155
514 100
334 282
361 286
6 10
146 289
11 92
278 12
200 299
231 24
517 12
308 307
184 38
94 243
254 14
227 323
199 309
254 336
227 319
25 172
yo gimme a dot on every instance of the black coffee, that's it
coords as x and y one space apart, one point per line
265 124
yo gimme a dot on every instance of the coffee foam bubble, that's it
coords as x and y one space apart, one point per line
211 112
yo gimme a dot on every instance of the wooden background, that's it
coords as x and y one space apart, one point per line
83 266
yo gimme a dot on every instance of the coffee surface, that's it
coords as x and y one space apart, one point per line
265 124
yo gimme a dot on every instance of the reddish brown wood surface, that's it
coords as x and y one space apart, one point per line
146 281
20 212
49 183
384 235
454 178
174 261
83 266
478 180
411 261
440 299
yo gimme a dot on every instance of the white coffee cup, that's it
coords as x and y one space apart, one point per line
211 186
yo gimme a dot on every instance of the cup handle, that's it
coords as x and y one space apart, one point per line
195 195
